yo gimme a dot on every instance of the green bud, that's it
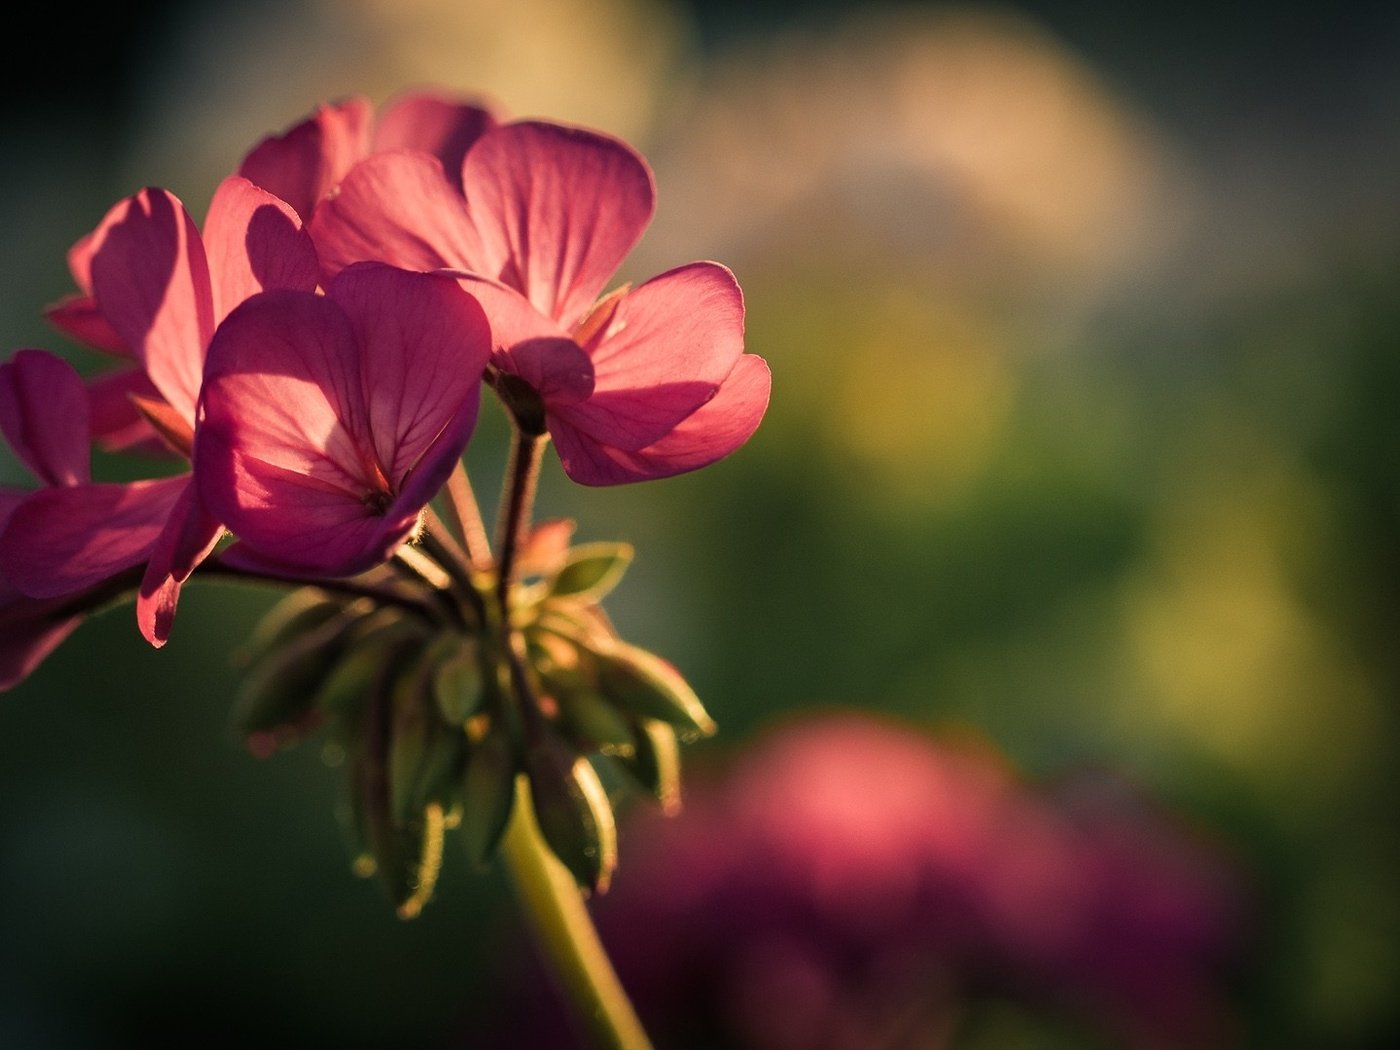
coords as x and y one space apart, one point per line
276 704
300 611
655 763
457 686
424 753
344 690
593 724
649 687
592 570
574 813
407 855
488 795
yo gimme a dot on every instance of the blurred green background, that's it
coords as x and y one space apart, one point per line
1085 337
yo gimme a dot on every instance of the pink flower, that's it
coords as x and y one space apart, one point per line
162 289
330 421
308 160
644 383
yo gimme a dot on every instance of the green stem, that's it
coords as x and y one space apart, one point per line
561 924
522 474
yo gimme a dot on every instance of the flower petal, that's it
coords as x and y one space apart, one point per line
254 243
117 425
44 416
528 344
29 631
78 317
434 124
190 534
397 208
711 433
301 165
670 344
423 345
64 540
151 281
556 210
283 388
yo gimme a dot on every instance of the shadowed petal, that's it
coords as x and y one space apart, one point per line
29 631
117 425
440 126
78 317
669 345
303 163
530 345
189 535
44 416
151 281
283 386
254 243
711 433
63 540
556 210
424 344
396 208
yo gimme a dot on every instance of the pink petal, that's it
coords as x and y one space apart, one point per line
556 210
530 345
78 317
117 426
283 387
254 243
29 631
669 345
396 208
64 540
710 434
304 163
151 281
324 434
440 126
44 416
424 344
190 534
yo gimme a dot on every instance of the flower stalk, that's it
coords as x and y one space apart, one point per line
562 927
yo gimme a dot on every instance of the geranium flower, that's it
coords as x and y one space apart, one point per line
162 289
309 159
643 383
330 421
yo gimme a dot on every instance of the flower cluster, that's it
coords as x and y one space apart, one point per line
314 355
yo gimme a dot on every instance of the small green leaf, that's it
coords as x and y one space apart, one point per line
649 687
574 813
592 570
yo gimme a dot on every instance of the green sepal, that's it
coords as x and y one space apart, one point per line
655 763
344 690
574 813
647 686
591 571
488 796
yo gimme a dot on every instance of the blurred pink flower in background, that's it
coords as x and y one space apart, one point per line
854 884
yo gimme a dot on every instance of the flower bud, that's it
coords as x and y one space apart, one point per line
488 795
574 813
649 687
655 763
